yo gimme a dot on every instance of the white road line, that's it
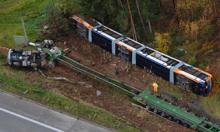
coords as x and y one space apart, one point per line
31 120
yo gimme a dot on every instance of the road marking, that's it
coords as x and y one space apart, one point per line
31 120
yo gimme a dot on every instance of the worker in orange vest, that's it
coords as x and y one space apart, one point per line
155 87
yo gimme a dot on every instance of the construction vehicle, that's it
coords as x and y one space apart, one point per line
42 57
21 58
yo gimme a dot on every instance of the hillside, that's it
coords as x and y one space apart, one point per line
11 13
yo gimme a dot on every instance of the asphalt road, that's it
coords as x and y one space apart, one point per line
11 122
19 115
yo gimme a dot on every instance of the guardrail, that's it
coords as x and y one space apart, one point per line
98 76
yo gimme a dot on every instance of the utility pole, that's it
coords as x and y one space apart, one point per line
25 33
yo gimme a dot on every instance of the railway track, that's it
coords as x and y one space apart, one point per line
151 102
131 91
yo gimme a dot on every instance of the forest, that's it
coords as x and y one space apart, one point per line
176 27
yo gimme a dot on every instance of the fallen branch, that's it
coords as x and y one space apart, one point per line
56 78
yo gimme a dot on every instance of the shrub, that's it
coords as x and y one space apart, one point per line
69 6
162 41
206 32
192 61
177 40
178 52
55 25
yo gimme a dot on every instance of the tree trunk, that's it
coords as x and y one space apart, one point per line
121 4
176 13
141 18
149 24
174 4
132 21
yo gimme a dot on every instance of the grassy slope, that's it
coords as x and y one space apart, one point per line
11 13
16 81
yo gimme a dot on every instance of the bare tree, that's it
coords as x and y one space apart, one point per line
121 4
141 18
132 20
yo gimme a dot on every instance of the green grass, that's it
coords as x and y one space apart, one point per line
212 104
15 81
11 13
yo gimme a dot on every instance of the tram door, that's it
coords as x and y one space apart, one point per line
124 53
82 30
183 82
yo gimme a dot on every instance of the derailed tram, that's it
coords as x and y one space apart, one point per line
171 69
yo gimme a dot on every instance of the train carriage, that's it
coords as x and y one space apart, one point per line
83 27
197 80
105 37
153 64
126 48
167 67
